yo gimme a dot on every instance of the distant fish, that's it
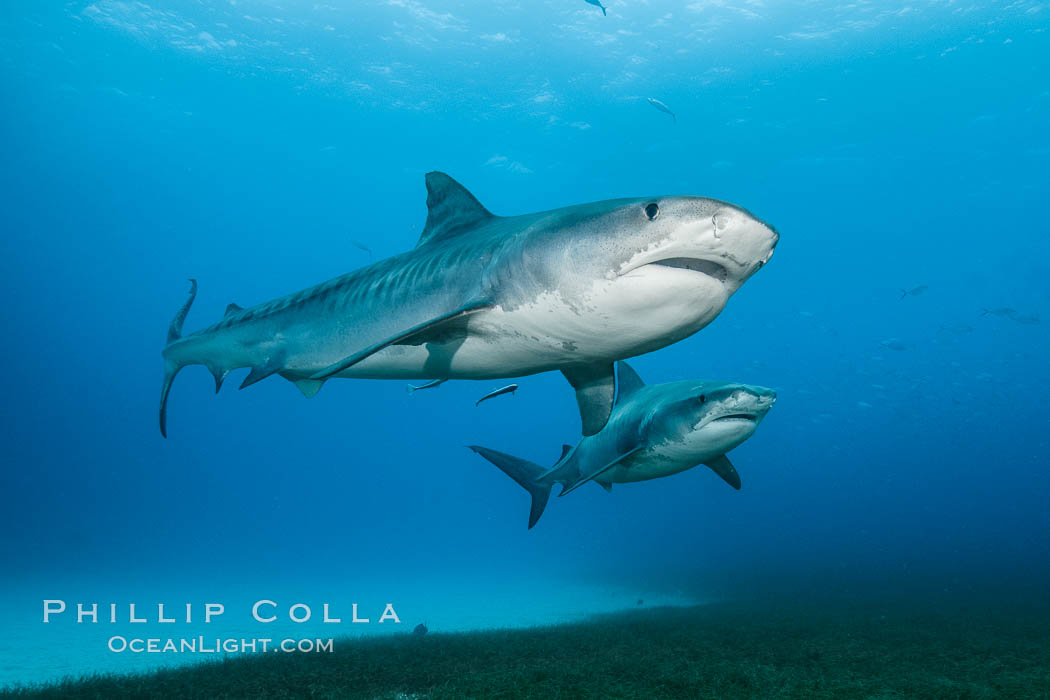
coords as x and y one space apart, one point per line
657 104
509 389
1027 319
597 4
412 388
1003 312
957 328
914 292
894 344
420 630
361 246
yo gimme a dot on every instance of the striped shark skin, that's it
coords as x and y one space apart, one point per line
654 431
486 297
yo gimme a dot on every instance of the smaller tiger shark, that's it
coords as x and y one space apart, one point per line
654 431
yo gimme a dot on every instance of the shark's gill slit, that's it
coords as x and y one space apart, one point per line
711 269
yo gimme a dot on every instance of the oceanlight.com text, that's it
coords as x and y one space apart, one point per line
216 645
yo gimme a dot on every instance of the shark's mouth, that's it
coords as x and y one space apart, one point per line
749 417
706 267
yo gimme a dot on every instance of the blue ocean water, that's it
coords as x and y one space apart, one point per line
263 147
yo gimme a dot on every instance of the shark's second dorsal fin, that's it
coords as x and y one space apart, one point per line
451 208
232 309
627 381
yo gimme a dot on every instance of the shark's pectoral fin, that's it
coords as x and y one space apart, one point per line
725 469
404 337
595 389
598 472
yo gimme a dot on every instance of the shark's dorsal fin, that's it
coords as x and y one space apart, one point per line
451 208
232 309
627 381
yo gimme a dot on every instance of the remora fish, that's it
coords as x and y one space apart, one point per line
653 431
509 389
486 297
412 388
662 107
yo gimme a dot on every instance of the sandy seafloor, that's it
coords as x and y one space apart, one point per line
32 652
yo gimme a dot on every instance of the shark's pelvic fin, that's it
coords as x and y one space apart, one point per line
273 365
232 309
595 389
526 474
605 485
627 381
220 375
725 469
451 208
403 337
172 368
598 472
309 387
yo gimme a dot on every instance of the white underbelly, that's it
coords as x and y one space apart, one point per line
656 462
674 456
642 311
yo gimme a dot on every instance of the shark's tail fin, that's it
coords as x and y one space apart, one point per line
171 368
526 474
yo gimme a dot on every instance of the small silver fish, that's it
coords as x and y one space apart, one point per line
509 389
913 292
895 344
958 328
657 104
412 388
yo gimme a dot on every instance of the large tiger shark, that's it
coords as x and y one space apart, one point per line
485 297
654 431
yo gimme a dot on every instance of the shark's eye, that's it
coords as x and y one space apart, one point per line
703 398
652 210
